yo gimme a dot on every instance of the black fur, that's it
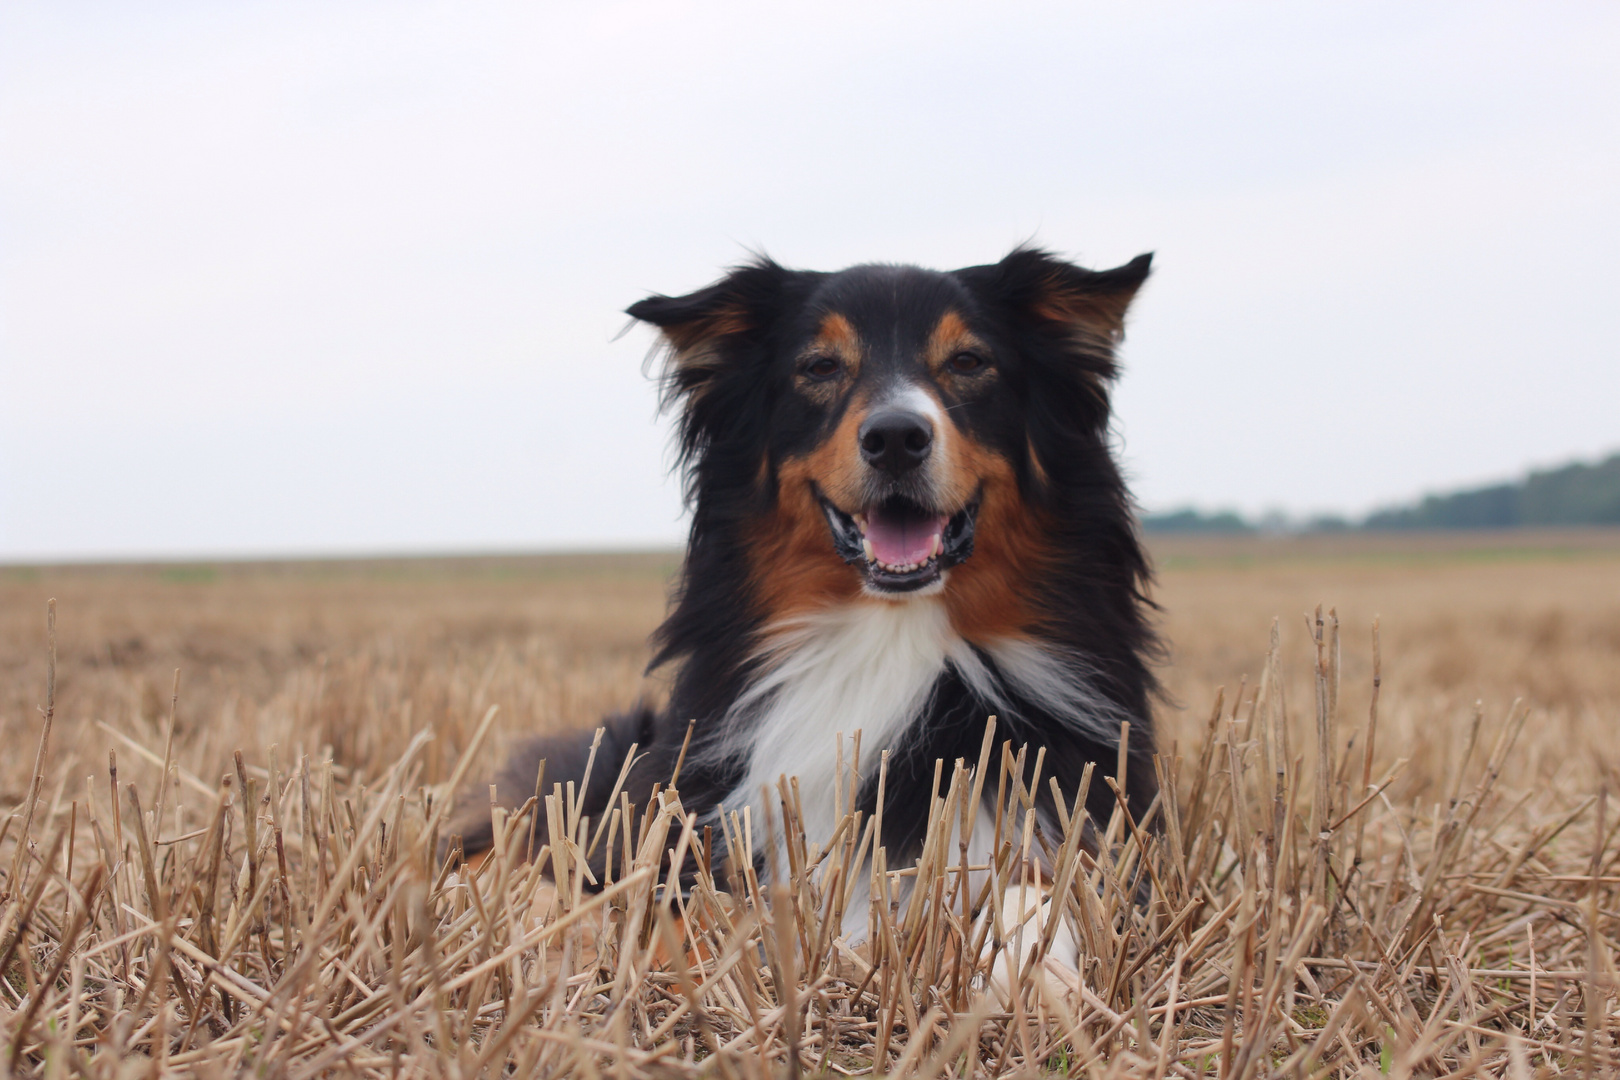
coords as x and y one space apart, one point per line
1052 327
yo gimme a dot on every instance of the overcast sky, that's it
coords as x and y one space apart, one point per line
343 277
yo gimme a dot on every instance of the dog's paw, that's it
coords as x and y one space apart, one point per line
1026 914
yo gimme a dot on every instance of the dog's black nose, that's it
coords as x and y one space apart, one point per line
895 441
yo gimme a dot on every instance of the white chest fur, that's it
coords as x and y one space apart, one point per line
872 667
866 666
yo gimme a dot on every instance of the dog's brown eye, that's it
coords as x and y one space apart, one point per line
965 363
822 367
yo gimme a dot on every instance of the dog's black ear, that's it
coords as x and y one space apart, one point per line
1036 283
706 329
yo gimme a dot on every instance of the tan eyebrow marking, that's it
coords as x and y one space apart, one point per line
837 336
949 337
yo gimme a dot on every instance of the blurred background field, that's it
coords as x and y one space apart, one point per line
358 655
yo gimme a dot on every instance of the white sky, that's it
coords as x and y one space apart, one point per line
282 278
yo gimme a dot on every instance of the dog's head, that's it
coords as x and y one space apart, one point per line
867 431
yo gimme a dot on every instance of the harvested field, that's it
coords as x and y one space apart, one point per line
1448 905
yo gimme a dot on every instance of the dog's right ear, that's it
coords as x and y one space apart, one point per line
706 330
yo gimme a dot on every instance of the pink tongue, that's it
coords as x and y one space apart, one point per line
898 540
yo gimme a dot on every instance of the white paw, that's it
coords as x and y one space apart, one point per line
1026 915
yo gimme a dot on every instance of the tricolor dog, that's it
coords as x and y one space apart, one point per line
905 518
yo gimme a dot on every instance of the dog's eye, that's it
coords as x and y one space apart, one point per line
966 363
822 367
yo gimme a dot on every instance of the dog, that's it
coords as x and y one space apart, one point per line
906 517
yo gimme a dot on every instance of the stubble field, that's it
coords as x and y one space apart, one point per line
301 939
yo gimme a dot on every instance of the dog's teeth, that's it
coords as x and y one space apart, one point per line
866 548
937 547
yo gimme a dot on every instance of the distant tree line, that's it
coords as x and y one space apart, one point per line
1575 494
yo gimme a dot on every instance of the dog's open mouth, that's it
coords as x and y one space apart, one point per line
899 545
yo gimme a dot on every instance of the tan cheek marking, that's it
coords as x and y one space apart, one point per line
991 594
835 464
794 567
960 467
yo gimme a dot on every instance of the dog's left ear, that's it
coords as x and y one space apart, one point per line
1039 284
707 329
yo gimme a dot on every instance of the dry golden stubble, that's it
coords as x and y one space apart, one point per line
1441 899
